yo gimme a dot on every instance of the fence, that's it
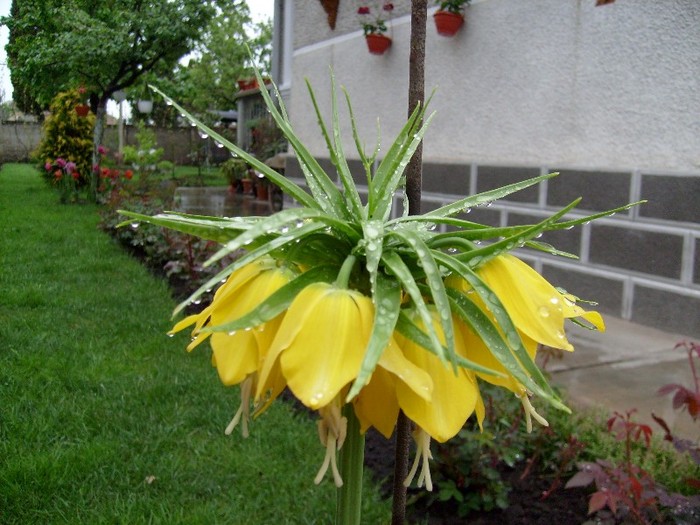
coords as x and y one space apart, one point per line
183 146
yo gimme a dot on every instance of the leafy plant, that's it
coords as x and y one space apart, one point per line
67 140
453 6
624 488
685 399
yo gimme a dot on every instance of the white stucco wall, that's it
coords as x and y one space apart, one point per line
540 82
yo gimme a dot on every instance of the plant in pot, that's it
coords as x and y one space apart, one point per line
234 170
449 17
82 109
374 28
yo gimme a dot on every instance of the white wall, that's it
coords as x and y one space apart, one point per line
539 82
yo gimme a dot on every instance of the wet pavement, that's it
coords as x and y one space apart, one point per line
623 368
220 202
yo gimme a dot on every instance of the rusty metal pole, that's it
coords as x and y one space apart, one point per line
416 96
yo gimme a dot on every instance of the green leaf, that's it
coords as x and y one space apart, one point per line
435 283
390 170
483 198
495 306
283 223
406 327
481 255
211 228
395 264
285 184
482 326
336 152
387 303
325 192
279 301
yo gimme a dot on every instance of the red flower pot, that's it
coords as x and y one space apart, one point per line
447 23
377 44
82 110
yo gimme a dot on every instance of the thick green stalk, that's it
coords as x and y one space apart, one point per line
352 458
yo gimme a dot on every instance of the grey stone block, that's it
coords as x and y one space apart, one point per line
446 178
671 198
492 177
641 251
599 190
667 310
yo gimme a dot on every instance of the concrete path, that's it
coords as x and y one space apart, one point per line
623 368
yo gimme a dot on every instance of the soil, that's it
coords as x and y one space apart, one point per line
527 506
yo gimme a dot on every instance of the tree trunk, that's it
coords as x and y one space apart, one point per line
97 135
416 95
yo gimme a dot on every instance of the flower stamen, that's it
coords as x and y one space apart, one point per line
243 414
530 412
332 429
422 440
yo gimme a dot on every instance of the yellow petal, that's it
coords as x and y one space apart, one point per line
376 405
326 353
454 396
236 356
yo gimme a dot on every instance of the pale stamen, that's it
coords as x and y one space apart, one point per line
422 440
332 429
243 414
530 412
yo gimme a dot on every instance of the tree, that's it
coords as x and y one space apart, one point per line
103 45
222 57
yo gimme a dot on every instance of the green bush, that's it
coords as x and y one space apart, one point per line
67 140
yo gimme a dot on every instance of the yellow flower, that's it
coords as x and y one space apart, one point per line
538 311
237 354
377 404
455 394
320 343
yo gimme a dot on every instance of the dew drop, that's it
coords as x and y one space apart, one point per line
543 311
134 225
232 333
171 334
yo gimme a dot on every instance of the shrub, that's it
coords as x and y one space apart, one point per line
67 138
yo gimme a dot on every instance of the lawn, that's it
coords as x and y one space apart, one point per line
103 418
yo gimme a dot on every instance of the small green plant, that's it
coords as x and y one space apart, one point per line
234 170
453 6
146 156
624 490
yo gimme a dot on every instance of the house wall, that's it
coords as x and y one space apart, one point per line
605 95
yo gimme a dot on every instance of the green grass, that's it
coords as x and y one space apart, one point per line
95 399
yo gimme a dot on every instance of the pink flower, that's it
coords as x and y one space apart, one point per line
101 149
95 168
48 166
70 167
61 163
364 10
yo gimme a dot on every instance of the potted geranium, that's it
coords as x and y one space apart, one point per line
374 28
449 17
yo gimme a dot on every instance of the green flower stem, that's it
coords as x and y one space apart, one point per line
352 458
345 271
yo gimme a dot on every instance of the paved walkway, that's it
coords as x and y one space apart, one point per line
623 368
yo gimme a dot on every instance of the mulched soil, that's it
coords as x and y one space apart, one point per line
527 506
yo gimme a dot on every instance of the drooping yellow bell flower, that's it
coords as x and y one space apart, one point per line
237 354
320 343
377 403
455 394
537 309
